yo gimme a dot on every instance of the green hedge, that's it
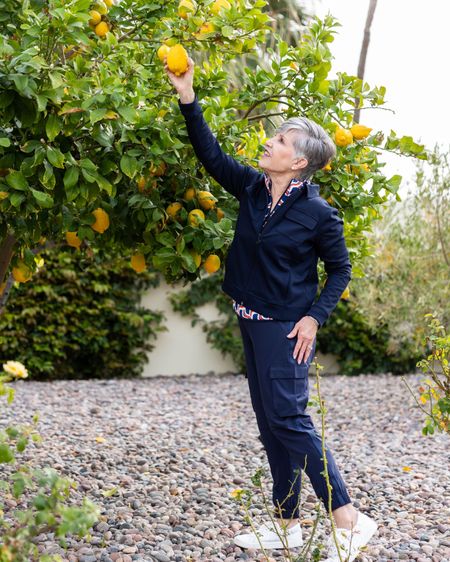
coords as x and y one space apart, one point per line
80 317
361 348
358 347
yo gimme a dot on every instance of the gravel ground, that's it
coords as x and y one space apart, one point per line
176 447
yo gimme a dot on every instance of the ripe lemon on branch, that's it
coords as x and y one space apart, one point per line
186 7
206 200
220 5
73 240
177 60
101 29
137 262
343 137
101 220
195 217
360 132
173 209
21 273
162 52
212 263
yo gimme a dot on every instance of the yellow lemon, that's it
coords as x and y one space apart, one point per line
195 217
360 132
101 220
219 5
158 170
101 8
173 209
212 263
343 137
21 273
189 194
96 17
109 3
163 52
205 29
346 294
220 214
206 200
177 60
137 262
101 29
73 240
141 183
186 7
197 257
3 195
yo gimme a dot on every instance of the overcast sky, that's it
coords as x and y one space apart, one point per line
409 54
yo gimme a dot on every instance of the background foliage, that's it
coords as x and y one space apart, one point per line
408 275
83 119
81 318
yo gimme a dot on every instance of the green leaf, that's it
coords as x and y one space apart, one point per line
16 199
129 165
6 454
44 200
4 141
55 157
48 177
129 114
53 127
104 184
17 180
166 239
71 176
97 115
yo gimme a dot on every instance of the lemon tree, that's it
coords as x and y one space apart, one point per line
94 152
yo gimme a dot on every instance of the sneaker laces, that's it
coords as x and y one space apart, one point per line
345 540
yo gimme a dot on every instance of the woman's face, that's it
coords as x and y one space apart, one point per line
279 154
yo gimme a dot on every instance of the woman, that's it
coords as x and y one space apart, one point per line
283 227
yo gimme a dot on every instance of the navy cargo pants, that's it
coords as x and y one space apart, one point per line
279 393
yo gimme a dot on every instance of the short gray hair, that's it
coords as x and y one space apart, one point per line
313 143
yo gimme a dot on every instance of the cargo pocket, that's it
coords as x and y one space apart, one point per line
289 389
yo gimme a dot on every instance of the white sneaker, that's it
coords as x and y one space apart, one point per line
350 542
269 539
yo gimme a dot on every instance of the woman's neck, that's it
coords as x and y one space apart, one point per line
279 183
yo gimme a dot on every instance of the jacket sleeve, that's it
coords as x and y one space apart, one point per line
227 171
333 252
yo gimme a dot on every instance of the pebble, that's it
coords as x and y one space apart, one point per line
175 448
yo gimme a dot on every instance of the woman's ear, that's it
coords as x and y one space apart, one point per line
299 163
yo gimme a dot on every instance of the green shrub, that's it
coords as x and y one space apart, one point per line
80 317
362 348
43 496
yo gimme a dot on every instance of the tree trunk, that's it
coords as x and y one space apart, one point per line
363 53
6 253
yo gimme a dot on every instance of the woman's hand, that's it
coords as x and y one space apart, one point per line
183 84
305 330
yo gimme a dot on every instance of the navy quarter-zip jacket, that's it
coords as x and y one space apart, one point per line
273 270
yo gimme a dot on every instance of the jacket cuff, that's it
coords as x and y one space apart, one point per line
188 109
316 314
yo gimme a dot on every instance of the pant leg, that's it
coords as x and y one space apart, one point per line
286 481
284 391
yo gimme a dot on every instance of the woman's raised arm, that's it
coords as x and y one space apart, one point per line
227 171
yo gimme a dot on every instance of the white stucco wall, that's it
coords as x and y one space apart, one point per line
183 349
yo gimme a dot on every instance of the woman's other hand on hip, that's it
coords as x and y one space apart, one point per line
305 331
